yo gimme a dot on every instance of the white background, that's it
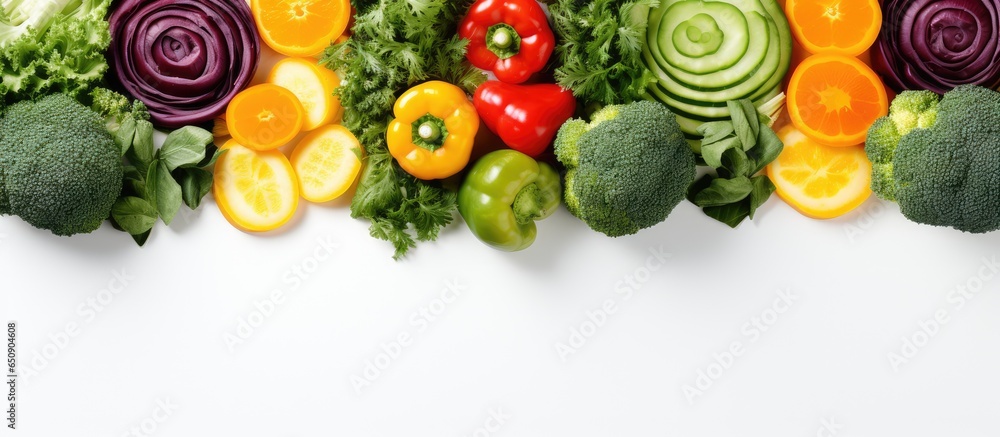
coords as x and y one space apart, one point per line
861 283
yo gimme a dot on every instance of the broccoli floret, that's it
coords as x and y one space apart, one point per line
59 168
909 110
627 168
942 170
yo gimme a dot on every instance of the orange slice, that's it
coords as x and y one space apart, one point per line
820 181
833 99
300 27
846 27
256 191
326 162
313 85
264 117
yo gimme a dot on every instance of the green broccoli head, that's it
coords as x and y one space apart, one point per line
909 110
59 168
947 175
627 168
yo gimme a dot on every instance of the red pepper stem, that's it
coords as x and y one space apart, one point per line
503 40
429 132
528 205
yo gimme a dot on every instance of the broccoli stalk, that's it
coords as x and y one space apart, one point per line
938 159
626 169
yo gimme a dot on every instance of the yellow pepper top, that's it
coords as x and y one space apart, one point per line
434 129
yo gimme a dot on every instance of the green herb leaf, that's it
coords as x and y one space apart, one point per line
599 49
724 191
712 152
212 154
140 239
421 36
142 145
714 131
769 146
762 189
700 184
737 163
168 193
731 214
185 146
125 134
746 125
152 180
195 184
134 214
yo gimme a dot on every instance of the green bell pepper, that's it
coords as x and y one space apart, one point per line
504 194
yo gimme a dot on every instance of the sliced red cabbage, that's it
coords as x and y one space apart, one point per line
185 59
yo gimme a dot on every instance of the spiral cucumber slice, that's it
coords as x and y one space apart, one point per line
704 53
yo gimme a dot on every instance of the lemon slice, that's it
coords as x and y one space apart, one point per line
313 85
817 180
255 190
326 163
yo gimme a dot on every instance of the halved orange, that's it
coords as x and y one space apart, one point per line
846 27
265 117
820 181
300 27
834 99
256 191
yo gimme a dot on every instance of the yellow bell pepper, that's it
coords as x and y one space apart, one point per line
433 132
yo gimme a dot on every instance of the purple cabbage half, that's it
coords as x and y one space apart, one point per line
185 59
938 44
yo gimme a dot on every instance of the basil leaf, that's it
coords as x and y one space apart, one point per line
712 152
714 131
745 130
140 239
736 161
698 185
142 146
762 189
769 146
168 194
133 214
185 146
723 191
152 180
132 173
125 134
195 184
209 160
731 214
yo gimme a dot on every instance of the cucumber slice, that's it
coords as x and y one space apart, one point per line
743 80
682 42
686 18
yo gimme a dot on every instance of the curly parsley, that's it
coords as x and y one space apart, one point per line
395 45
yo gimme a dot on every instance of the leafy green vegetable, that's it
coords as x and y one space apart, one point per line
161 178
736 150
51 46
393 46
599 49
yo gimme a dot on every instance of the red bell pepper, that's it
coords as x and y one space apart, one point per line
525 117
511 38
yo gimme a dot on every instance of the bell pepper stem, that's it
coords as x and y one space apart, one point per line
429 132
528 204
503 40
